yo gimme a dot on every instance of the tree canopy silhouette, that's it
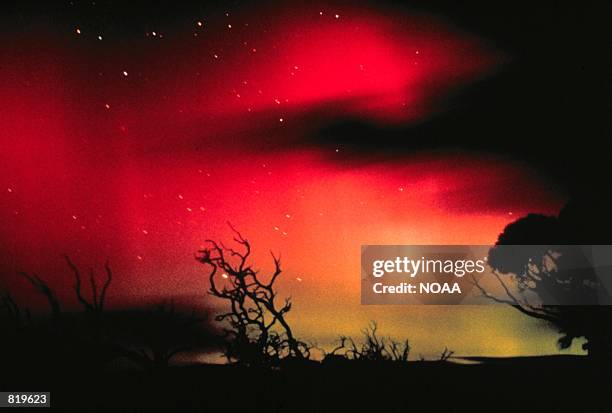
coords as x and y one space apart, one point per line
545 271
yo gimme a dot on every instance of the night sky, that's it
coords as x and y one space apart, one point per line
135 132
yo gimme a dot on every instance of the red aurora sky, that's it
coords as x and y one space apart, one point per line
138 147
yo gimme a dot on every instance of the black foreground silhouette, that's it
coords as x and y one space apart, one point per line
98 357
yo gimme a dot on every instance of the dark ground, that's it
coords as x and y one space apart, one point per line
555 383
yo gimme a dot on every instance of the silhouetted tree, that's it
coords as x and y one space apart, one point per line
544 270
97 299
253 309
95 336
66 339
373 348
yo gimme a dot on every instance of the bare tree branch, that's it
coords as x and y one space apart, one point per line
97 301
513 301
253 310
43 288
